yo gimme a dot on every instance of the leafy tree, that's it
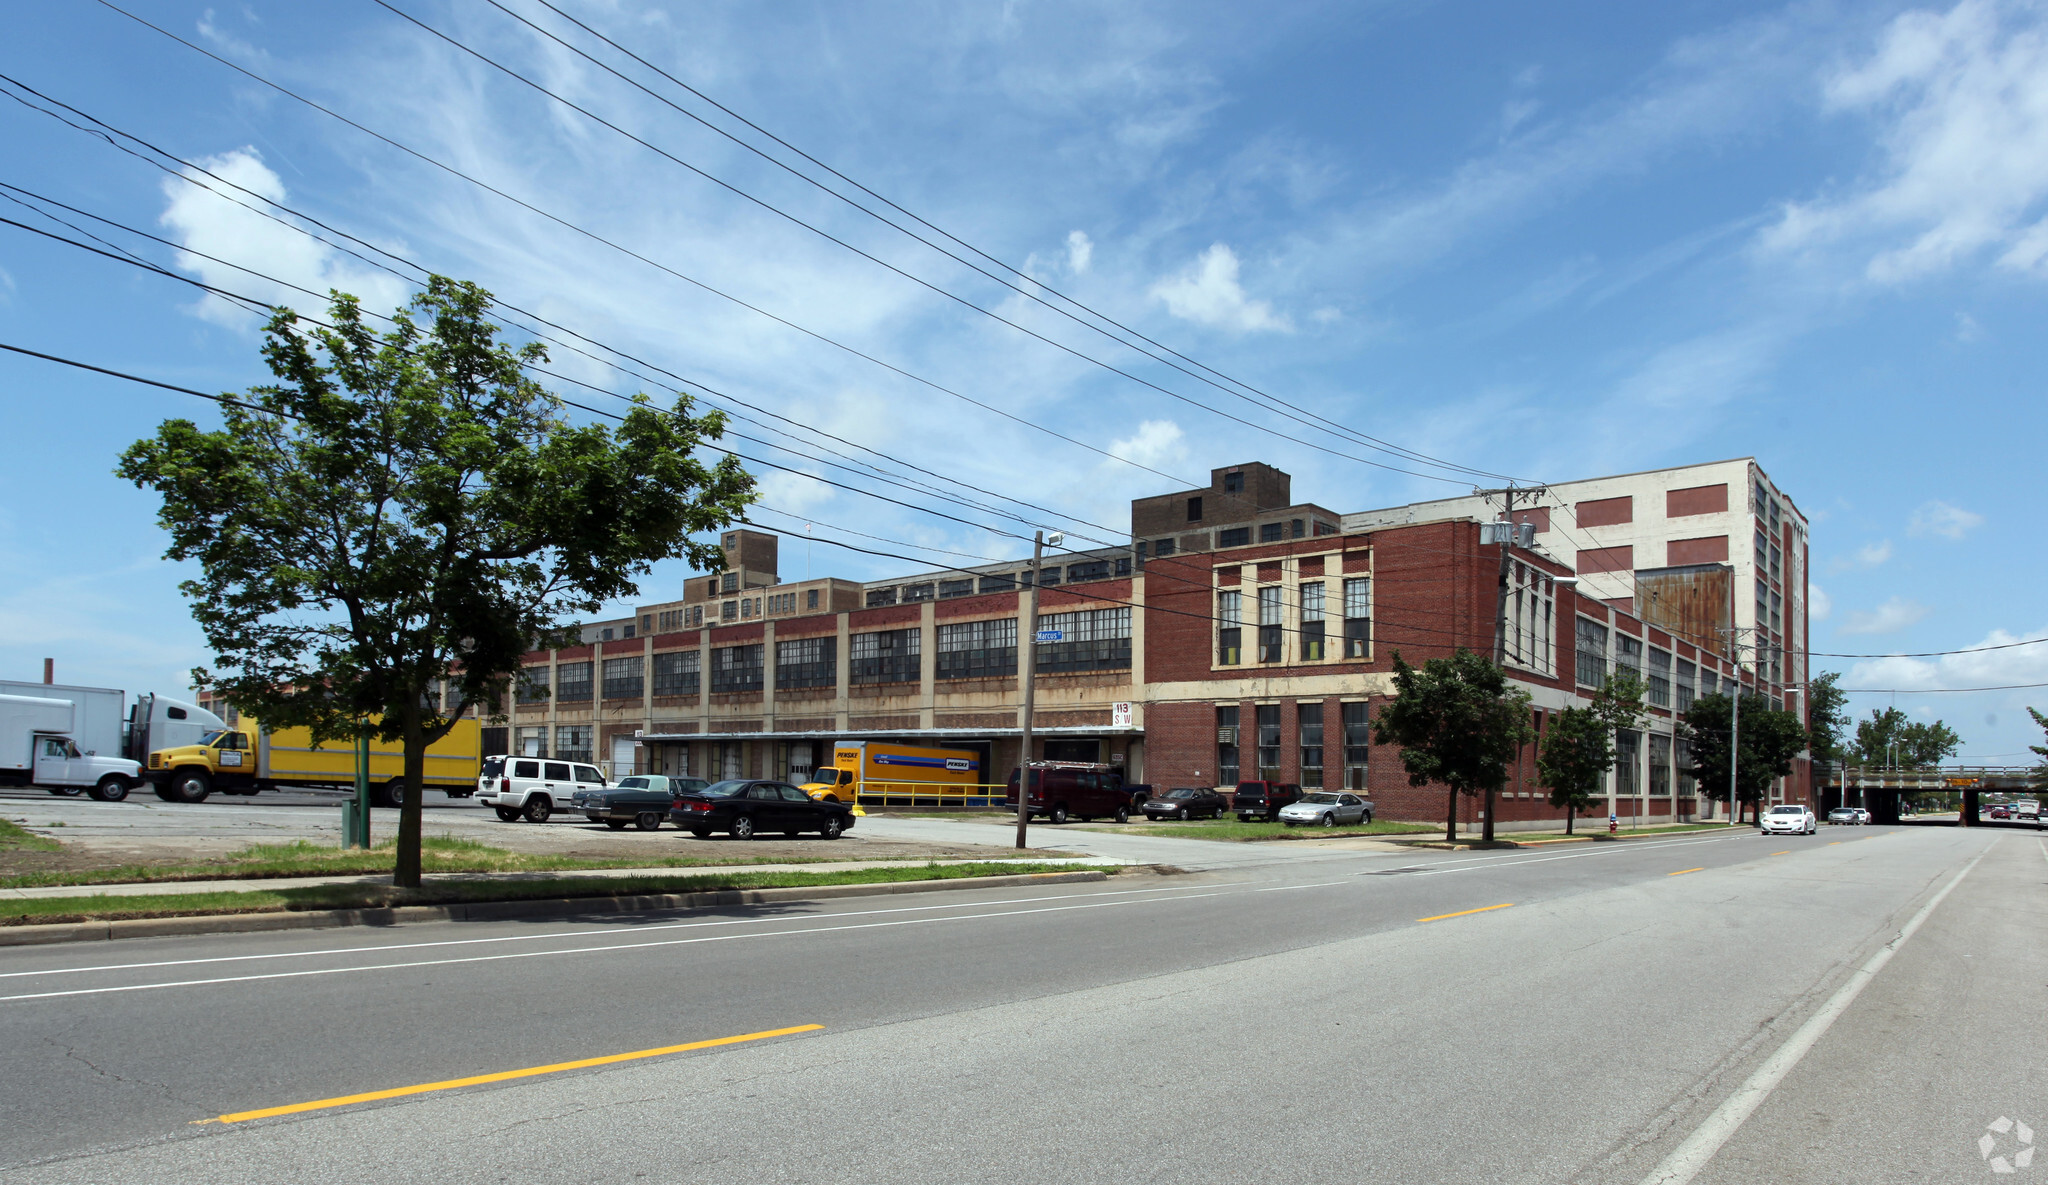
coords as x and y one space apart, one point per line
1889 738
1827 718
1579 744
408 506
1458 723
1770 738
2041 751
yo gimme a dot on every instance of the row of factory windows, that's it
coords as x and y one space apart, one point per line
1312 642
967 586
1668 681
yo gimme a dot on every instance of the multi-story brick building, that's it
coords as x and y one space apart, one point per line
1239 635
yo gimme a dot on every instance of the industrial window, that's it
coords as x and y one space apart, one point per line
729 611
1226 745
1592 653
1323 528
1194 510
887 656
1000 583
626 632
1357 745
1271 644
1098 570
1628 748
1628 655
1294 528
1658 691
533 742
729 582
736 668
1357 616
1312 622
1777 560
1311 722
697 615
1123 565
573 683
1710 682
1229 631
1138 549
625 678
978 649
1660 766
1272 532
572 742
605 635
1049 576
677 672
533 685
1531 613
1096 640
1686 672
1688 785
1162 549
806 662
1234 537
878 597
810 598
922 591
1269 742
956 588
1233 483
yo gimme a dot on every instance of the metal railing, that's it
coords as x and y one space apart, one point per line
871 792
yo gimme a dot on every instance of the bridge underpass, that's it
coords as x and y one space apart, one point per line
1881 791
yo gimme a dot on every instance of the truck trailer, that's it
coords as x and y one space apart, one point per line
39 747
247 758
108 725
878 771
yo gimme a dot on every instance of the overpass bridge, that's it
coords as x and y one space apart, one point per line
1879 790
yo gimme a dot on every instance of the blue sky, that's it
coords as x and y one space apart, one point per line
1555 241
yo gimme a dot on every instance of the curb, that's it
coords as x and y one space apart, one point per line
493 911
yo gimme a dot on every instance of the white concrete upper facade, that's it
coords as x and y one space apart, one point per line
1609 528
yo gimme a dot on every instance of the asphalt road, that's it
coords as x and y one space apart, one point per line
1572 1014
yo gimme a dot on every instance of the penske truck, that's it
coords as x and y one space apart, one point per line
247 758
878 771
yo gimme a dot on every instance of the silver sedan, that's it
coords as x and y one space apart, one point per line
1328 809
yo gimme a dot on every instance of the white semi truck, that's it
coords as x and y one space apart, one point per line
96 743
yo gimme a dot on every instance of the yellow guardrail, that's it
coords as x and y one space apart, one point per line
872 792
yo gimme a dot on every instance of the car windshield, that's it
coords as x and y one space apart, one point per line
212 735
633 783
1321 798
1245 789
1180 793
725 789
1788 810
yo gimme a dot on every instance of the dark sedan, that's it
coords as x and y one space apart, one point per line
742 809
1186 802
639 799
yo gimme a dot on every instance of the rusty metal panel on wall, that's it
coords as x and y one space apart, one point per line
1691 602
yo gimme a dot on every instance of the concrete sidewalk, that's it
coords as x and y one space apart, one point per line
256 884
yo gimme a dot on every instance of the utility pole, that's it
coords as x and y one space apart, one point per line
1507 529
1029 674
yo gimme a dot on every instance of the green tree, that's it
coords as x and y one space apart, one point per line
1891 739
1827 718
1770 738
407 506
2041 751
1579 744
1458 723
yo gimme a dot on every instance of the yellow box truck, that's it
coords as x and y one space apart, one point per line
876 772
246 758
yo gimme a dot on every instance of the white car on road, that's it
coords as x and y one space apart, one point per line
1791 819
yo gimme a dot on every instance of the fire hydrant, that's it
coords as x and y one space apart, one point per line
1613 824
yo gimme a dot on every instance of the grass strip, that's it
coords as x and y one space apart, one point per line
101 907
14 839
442 853
1232 831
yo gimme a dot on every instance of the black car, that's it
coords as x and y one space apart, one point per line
1139 792
1186 802
743 808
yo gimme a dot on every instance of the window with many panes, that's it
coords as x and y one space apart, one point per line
1688 785
1094 640
677 672
1531 608
878 597
956 588
1311 726
1357 616
1660 766
1234 537
1683 692
1592 653
533 685
625 678
1269 742
978 649
1002 582
1226 745
1312 610
886 656
1628 655
1357 745
1657 684
1229 628
572 742
736 668
1628 751
1710 682
1272 646
806 662
572 681
1272 532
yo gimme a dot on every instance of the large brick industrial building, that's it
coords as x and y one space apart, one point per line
1238 635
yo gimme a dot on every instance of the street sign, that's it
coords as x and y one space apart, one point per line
1119 715
1052 635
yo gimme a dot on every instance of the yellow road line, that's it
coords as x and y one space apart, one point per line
502 1076
1836 843
1683 871
1785 853
1461 913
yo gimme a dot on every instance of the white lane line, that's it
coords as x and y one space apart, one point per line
1690 1157
613 948
1317 885
565 934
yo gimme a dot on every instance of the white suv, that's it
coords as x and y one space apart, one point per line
1792 819
533 788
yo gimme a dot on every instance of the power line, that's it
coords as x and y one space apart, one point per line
136 378
1936 690
1934 653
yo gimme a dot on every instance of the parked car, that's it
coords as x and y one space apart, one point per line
1263 800
1061 791
1789 818
533 788
640 799
1843 815
1187 802
1862 816
743 809
1140 793
1327 808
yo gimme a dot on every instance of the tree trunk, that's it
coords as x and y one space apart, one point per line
1451 819
1570 812
1486 826
407 873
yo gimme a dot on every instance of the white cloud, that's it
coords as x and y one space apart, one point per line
1888 618
1080 252
1964 99
1967 329
1870 555
1157 443
1939 518
1207 292
1819 605
1982 668
204 216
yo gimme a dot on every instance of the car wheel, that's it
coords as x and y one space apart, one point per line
538 808
391 793
701 832
743 828
1365 820
112 788
1123 814
1329 818
507 814
615 824
1058 814
1183 816
832 828
647 821
192 787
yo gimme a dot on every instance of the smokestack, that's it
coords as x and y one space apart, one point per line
49 670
